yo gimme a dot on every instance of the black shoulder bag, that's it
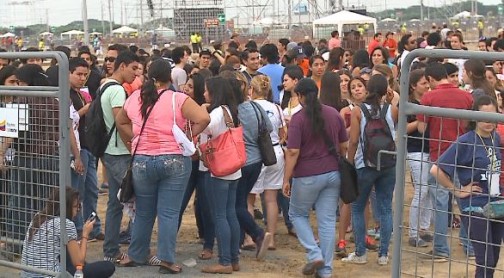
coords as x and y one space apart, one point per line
349 190
264 140
127 191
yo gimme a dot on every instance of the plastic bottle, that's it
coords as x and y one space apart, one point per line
78 272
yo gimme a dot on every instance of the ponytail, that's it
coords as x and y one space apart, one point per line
307 88
149 96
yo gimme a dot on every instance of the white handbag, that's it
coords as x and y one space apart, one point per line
185 144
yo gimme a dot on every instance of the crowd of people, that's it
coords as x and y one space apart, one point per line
317 102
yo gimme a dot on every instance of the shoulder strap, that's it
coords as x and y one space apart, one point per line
384 110
365 111
280 114
255 112
227 118
100 94
145 121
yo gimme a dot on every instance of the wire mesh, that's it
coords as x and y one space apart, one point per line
33 148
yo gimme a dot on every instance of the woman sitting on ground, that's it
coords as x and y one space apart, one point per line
41 247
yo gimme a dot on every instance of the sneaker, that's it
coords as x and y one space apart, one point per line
470 255
413 242
435 257
340 249
371 244
354 259
426 237
383 260
102 192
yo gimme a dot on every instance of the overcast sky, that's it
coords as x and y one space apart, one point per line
58 12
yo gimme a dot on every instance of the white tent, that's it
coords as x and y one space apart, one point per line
388 19
124 30
46 34
71 33
267 21
464 14
6 35
342 18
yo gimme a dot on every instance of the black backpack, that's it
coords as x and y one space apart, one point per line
377 136
96 130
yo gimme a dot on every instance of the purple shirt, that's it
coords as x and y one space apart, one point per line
314 157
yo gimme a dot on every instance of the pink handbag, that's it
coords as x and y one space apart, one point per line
225 154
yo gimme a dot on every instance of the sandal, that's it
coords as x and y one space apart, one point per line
154 261
172 269
205 254
250 247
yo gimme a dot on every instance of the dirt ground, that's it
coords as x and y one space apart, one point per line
289 257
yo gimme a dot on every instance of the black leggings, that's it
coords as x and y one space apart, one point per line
100 269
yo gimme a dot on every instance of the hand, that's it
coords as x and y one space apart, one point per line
79 167
468 190
286 189
88 228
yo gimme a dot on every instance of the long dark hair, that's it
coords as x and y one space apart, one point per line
52 209
221 93
294 72
159 71
483 100
476 71
385 55
198 87
335 58
377 88
330 90
360 59
307 88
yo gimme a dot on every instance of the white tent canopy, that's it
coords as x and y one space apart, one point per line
46 34
6 35
124 30
344 18
71 33
388 19
266 21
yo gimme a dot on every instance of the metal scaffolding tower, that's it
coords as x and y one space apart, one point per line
199 16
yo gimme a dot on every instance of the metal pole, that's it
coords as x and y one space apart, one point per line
85 21
110 16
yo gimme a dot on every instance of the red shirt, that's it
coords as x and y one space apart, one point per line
391 44
372 45
443 131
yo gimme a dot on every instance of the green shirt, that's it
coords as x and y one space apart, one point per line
113 97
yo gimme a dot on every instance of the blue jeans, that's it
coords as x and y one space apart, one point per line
198 181
116 166
222 198
321 191
87 185
384 183
160 182
250 173
486 237
283 203
440 197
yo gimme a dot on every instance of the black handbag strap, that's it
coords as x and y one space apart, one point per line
259 122
143 124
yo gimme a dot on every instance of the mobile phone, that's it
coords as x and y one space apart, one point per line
92 216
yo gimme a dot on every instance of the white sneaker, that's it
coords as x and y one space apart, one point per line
383 260
354 259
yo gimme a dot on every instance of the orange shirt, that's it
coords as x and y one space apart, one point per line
130 88
305 66
391 44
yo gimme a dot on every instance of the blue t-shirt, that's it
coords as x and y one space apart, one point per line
474 162
274 72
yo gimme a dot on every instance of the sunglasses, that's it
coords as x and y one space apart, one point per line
110 59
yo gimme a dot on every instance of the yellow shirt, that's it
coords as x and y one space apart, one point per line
194 39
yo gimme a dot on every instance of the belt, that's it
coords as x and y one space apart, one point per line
277 144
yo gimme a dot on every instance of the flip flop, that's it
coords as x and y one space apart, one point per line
205 254
154 261
169 270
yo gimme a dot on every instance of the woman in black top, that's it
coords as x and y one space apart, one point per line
418 160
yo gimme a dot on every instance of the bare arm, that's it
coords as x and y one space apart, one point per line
421 126
76 250
83 111
198 115
291 157
353 142
124 127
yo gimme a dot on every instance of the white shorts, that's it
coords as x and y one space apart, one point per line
271 177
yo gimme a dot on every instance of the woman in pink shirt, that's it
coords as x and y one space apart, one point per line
160 171
334 41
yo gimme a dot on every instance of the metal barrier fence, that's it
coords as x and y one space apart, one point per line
417 261
34 135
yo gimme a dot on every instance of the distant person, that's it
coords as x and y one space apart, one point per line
335 40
